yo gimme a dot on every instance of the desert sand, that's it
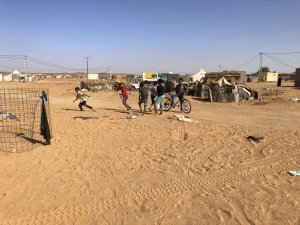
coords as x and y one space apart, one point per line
152 170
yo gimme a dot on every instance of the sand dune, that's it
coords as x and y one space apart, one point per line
152 170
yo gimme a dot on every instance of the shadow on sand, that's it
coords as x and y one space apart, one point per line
76 110
33 141
120 110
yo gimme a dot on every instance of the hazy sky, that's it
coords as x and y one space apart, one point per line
154 35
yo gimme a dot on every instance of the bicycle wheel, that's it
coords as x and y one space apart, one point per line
186 106
167 104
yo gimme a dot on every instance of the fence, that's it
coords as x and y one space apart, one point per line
22 118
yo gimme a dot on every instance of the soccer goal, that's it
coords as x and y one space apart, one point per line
25 120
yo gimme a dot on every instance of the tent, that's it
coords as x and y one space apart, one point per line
198 76
222 81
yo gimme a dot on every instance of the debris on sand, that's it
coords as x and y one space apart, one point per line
6 115
294 172
257 139
129 117
86 117
182 118
294 99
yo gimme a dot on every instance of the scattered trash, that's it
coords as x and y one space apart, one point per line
6 115
182 118
255 138
86 117
294 172
294 99
129 117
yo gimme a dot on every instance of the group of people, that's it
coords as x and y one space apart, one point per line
157 94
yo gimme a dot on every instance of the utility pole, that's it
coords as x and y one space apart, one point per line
260 64
25 65
110 72
87 64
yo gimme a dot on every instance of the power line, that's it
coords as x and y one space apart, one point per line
286 61
287 65
244 64
42 62
51 64
125 70
281 53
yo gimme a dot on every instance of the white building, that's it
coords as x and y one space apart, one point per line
1 77
269 76
17 76
7 77
198 76
93 76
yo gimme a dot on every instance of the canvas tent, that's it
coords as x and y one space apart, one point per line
222 82
198 76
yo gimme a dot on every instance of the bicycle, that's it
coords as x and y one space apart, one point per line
186 106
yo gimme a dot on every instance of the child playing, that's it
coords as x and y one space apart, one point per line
143 96
124 95
81 96
153 95
159 102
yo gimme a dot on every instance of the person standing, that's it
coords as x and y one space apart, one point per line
159 102
143 96
153 95
279 81
180 90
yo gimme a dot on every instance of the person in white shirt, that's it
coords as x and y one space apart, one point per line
82 99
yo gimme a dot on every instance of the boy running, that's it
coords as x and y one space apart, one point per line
81 96
124 95
143 96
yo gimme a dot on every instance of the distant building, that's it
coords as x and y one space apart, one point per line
93 76
287 76
269 76
17 76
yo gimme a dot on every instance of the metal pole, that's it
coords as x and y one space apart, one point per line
260 64
25 64
87 65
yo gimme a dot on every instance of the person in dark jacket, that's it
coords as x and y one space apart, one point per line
159 102
143 96
279 81
180 90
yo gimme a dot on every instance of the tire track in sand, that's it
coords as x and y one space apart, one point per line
254 169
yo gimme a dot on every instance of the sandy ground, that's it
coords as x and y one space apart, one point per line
145 171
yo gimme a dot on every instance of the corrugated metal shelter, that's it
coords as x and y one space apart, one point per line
297 78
